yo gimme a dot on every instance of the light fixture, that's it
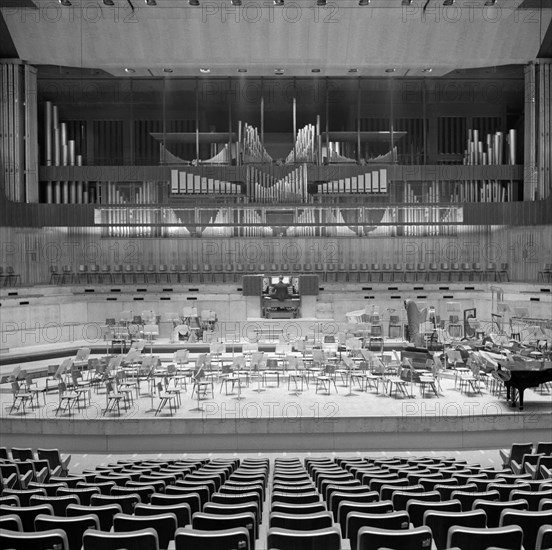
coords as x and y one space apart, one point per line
65 3
278 2
129 70
321 3
315 70
448 3
194 3
406 2
390 70
363 2
109 3
353 70
279 72
151 3
236 3
242 70
204 70
427 70
167 70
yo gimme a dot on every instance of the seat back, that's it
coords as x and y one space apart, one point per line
357 520
105 513
43 540
143 539
165 525
418 538
27 514
417 508
290 539
505 538
530 522
494 509
188 537
74 527
440 522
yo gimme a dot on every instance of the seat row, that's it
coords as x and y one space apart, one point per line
231 273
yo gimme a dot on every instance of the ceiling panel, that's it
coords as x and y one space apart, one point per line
261 37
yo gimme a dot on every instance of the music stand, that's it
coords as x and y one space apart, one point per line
256 362
350 364
148 365
237 364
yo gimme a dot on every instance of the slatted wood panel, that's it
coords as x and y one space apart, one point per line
108 142
452 135
544 134
31 135
18 143
31 251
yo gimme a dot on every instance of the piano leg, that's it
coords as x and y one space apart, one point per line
521 390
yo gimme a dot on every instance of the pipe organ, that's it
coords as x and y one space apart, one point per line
305 149
61 151
253 149
183 182
292 188
370 182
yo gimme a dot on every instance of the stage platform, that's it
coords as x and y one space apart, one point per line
277 418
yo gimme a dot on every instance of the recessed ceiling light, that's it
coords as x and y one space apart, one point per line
65 3
204 70
129 70
279 71
427 70
236 2
151 3
321 3
363 2
448 3
315 70
278 2
390 70
406 2
193 2
353 70
242 70
167 70
109 3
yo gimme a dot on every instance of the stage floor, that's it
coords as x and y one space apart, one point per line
278 418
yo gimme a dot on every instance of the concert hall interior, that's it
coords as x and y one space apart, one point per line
276 239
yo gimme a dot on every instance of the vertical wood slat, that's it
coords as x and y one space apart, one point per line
31 135
530 149
3 129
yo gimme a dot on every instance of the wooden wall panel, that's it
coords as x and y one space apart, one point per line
32 251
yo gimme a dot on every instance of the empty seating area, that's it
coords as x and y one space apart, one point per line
328 502
232 273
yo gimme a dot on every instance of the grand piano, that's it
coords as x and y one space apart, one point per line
520 372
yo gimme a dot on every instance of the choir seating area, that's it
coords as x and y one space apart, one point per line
356 501
232 273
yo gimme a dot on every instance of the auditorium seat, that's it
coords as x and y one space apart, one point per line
53 538
494 509
505 538
164 524
417 508
288 539
440 522
544 538
74 526
417 538
144 539
58 503
394 521
188 538
27 514
375 273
